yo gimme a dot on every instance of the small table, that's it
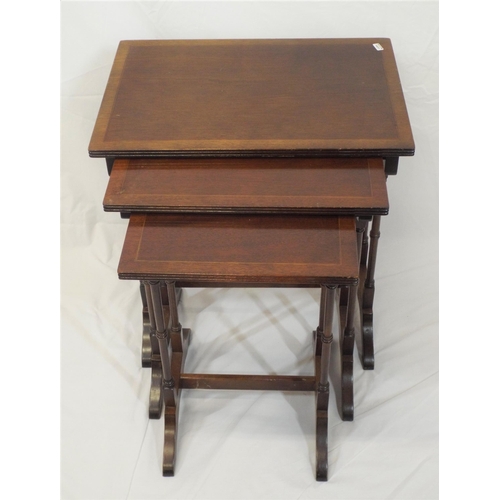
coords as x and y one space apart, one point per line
271 250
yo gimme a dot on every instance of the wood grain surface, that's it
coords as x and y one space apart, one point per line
314 185
251 97
301 249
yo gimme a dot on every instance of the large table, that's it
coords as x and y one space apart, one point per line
324 97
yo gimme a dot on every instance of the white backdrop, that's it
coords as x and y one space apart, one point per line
246 445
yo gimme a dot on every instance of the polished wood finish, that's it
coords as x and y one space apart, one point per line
324 343
368 351
254 98
148 343
231 246
248 382
303 97
180 342
147 350
237 162
364 246
161 334
266 185
347 361
150 354
272 249
173 344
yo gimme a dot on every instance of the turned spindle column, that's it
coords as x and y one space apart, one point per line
168 386
324 342
347 350
368 296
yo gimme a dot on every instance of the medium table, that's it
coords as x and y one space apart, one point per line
250 186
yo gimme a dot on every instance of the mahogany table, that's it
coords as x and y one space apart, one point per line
259 98
327 186
322 97
226 113
272 250
344 186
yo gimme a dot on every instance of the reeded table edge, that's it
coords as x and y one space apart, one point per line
403 145
252 153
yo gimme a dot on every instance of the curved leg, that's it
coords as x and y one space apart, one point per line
367 355
322 444
179 338
151 358
169 441
362 243
322 385
180 343
151 349
347 349
158 323
368 294
146 354
172 344
155 393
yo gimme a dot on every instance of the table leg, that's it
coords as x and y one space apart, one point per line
147 347
346 365
368 353
318 333
173 343
364 245
349 296
322 361
168 386
151 350
151 354
146 353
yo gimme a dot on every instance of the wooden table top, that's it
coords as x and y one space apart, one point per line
352 186
302 97
298 249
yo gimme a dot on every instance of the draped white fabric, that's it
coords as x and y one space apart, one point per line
246 445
